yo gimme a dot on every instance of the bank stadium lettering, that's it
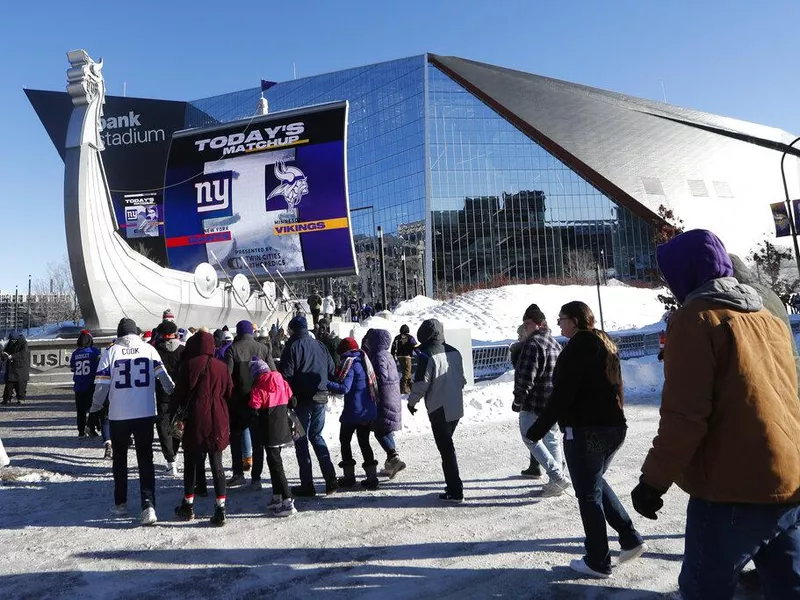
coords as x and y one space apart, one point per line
125 130
265 138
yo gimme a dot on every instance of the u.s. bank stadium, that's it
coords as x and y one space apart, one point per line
478 174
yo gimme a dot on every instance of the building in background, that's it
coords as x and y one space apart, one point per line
481 175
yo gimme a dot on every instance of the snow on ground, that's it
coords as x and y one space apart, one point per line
58 539
494 315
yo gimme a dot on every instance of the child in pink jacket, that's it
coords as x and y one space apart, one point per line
269 398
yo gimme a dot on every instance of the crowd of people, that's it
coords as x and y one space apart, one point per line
729 432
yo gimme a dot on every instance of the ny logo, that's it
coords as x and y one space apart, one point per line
214 192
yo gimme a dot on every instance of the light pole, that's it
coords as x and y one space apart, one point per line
789 206
405 276
29 306
382 259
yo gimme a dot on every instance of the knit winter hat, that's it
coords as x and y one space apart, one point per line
257 367
298 323
126 327
168 328
530 311
147 336
227 336
167 315
244 328
84 339
348 344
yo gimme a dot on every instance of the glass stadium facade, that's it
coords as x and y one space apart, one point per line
463 193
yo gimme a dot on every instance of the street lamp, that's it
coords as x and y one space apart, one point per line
789 206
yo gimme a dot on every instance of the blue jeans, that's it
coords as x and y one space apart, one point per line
386 442
247 444
589 454
443 436
312 416
722 538
546 451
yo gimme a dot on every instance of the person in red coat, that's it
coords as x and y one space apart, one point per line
204 387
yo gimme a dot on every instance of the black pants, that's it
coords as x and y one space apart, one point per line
280 487
315 317
236 451
169 445
20 387
362 435
256 439
194 464
83 402
443 435
142 430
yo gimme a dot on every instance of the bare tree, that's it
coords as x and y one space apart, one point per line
581 266
55 295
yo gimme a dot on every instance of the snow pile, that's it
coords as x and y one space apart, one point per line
642 376
9 475
493 315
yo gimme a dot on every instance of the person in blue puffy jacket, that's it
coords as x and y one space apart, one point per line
356 380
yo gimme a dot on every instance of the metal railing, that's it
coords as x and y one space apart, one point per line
493 360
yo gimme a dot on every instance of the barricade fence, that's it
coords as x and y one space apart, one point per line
492 360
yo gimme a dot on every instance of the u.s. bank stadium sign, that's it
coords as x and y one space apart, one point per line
47 359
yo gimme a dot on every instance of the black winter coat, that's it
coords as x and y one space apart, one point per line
170 352
238 358
306 364
18 365
587 388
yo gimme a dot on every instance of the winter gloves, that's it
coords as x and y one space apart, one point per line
412 409
647 499
516 406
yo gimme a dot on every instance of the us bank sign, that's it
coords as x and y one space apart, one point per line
43 360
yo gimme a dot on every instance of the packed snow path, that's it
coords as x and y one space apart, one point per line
58 539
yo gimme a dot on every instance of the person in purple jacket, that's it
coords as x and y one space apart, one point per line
356 380
376 345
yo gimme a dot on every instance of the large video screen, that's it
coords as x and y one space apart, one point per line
271 189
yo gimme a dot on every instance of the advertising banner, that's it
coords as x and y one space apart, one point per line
139 215
271 189
781 218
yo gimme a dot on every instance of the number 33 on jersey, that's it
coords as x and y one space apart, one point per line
127 373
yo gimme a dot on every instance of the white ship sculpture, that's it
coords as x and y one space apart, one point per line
111 279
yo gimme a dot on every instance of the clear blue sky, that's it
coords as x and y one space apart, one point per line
732 57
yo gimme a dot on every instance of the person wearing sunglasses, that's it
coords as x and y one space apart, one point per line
587 404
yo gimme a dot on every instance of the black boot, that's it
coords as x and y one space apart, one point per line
348 479
371 469
185 512
219 519
534 471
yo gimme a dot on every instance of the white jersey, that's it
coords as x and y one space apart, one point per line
127 374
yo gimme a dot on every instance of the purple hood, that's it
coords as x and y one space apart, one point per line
691 259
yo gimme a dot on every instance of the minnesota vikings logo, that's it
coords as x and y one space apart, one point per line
293 186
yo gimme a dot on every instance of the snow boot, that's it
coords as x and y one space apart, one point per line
108 454
185 512
371 469
247 463
393 466
534 471
348 480
219 519
304 492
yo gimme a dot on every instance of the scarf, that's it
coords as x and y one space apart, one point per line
372 379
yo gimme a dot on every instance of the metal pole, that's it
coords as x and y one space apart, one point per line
599 299
29 306
381 257
262 293
405 276
789 206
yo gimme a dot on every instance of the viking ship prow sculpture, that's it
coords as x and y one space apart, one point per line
111 279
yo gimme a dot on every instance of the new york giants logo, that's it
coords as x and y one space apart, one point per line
213 192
